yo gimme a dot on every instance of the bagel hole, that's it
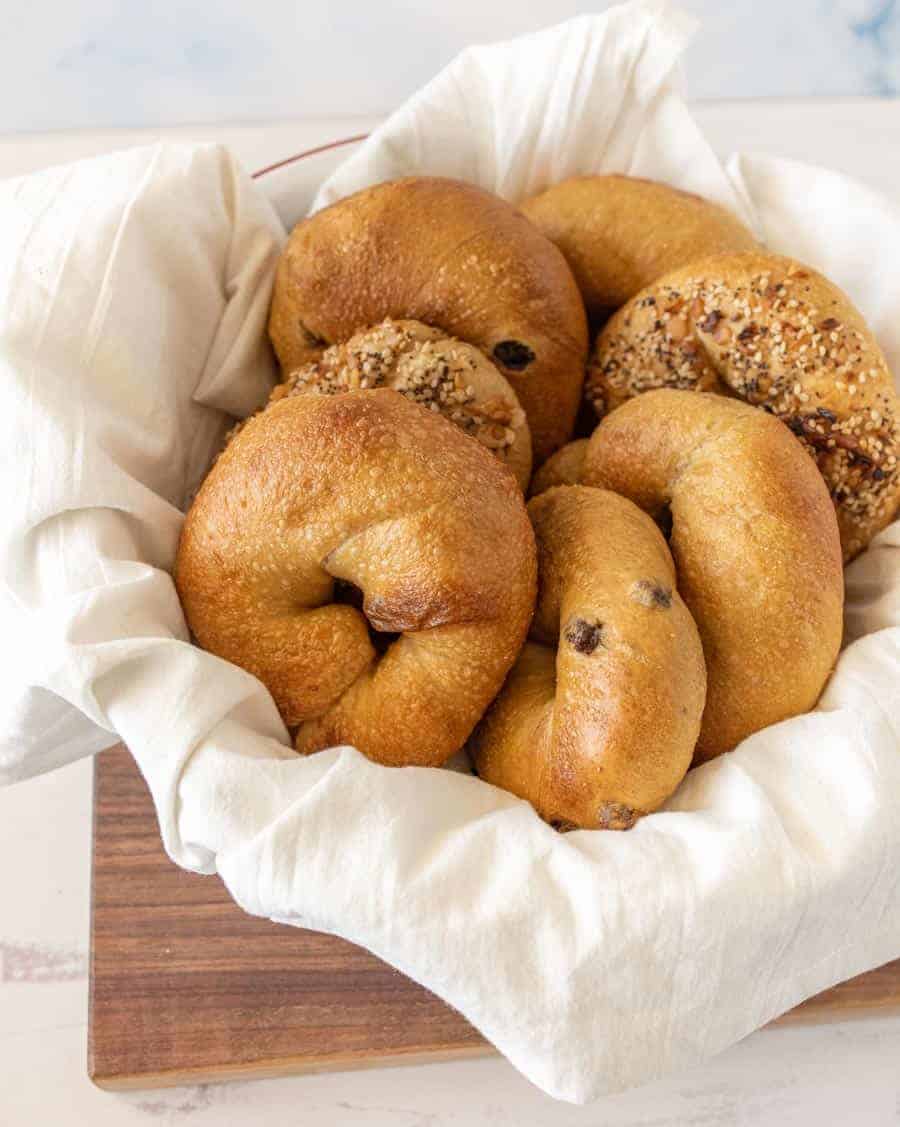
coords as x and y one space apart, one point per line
585 421
664 521
352 596
597 319
349 594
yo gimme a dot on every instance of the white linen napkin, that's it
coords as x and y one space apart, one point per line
133 294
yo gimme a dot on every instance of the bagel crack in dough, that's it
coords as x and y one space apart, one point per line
782 337
366 491
755 542
597 722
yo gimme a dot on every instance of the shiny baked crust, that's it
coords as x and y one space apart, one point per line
376 496
561 468
755 543
597 721
450 255
620 233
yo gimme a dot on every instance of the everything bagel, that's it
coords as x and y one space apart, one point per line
430 368
780 336
755 542
373 496
620 233
597 721
450 255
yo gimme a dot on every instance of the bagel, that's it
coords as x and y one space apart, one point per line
430 368
620 233
561 468
373 499
453 256
598 719
756 547
780 336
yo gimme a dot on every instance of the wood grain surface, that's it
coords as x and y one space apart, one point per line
187 988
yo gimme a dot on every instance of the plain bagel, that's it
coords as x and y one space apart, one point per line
782 337
619 233
562 468
755 543
332 528
598 719
453 256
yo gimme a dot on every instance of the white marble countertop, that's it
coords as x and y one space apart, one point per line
98 63
827 1074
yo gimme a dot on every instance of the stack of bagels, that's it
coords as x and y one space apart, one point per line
706 431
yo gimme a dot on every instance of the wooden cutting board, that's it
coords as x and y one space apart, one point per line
186 988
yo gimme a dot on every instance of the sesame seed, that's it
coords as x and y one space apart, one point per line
428 370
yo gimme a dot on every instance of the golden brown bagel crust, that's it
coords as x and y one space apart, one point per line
561 468
428 367
781 336
620 233
453 256
755 542
375 491
597 721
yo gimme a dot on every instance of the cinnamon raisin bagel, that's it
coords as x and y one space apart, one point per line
320 499
598 719
453 256
430 368
561 468
619 233
755 542
780 336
